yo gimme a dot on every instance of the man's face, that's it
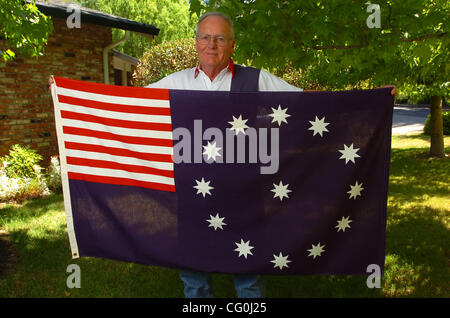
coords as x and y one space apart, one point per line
212 55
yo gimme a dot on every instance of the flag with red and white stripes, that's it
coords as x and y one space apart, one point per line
113 136
234 182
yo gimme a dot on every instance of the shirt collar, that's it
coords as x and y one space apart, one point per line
230 67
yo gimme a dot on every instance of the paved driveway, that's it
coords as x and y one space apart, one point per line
409 119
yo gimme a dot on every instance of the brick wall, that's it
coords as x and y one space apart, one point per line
26 107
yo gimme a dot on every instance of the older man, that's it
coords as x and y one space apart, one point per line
216 71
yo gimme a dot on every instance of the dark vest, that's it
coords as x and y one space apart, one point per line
245 79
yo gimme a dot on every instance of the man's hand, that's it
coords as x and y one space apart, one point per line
393 91
50 83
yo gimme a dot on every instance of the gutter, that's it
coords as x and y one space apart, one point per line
106 53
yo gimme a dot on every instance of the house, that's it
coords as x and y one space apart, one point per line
86 53
124 67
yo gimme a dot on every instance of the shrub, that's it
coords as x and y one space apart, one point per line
446 123
19 189
296 76
22 178
164 59
21 162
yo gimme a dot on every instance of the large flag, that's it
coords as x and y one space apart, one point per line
262 183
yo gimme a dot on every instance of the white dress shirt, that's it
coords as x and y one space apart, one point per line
195 79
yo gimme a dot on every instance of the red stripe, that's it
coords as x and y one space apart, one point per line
121 138
121 181
147 110
119 152
116 122
113 90
119 166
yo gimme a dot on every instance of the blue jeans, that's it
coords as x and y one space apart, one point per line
198 285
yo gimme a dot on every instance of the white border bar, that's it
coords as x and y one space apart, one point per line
64 176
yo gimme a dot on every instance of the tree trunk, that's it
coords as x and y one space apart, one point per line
437 129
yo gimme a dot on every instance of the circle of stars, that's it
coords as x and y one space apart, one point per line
281 191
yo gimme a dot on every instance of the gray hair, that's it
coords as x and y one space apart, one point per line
217 14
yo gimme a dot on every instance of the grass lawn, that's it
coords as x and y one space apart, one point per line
417 246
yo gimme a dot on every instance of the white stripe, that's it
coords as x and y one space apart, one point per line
119 159
102 172
119 144
118 130
116 114
114 99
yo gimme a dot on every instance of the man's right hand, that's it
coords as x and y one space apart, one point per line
50 83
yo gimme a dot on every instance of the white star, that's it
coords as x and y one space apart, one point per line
203 187
243 248
280 261
238 124
279 115
281 190
212 151
355 190
216 222
343 224
316 250
318 126
349 154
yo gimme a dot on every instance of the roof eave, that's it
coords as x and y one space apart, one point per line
98 18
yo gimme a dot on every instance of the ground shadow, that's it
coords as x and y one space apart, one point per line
417 252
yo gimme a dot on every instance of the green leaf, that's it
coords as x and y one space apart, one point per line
423 51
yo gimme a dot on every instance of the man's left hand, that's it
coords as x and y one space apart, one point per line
393 91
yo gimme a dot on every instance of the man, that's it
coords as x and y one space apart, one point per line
214 46
216 71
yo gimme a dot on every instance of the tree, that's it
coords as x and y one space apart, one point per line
346 43
429 70
24 28
170 16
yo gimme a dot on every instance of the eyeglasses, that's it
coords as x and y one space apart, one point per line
204 39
